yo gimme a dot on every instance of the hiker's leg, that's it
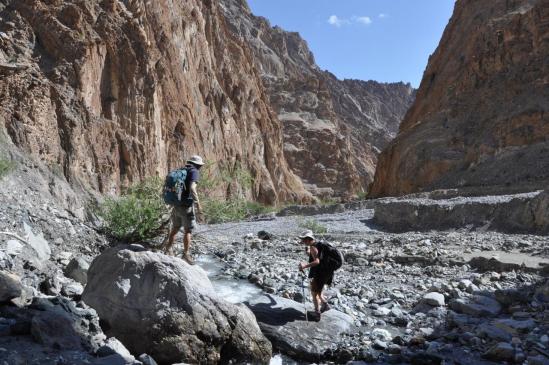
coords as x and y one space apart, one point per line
322 297
312 293
177 222
189 223
171 240
315 294
187 241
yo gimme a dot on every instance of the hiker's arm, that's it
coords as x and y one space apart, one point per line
315 262
194 194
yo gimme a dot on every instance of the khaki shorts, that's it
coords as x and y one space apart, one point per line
183 217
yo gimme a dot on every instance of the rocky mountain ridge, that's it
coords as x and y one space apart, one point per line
110 92
480 118
333 129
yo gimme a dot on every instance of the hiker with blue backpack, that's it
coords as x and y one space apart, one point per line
180 193
324 260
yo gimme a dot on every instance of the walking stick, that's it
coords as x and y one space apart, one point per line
304 297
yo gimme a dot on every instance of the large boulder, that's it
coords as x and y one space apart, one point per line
167 308
284 322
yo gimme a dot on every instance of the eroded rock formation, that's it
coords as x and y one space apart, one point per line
333 129
107 92
165 307
481 113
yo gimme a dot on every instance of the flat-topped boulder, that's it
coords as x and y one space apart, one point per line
526 212
164 307
501 261
283 321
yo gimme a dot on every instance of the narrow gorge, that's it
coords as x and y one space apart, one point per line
441 222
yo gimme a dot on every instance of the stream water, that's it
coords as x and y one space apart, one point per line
234 291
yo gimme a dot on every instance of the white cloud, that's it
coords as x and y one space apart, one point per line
339 22
336 21
366 20
382 15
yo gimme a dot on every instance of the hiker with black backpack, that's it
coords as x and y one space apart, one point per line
324 260
180 192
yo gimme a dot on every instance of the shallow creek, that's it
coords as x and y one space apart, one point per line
234 291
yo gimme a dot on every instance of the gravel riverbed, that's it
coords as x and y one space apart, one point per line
413 296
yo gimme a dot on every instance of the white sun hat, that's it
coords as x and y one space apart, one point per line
197 160
307 234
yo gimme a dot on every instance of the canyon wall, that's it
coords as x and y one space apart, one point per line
481 115
108 92
333 129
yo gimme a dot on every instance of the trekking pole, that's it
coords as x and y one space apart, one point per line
304 297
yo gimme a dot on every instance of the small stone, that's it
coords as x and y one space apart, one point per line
146 359
380 345
72 289
135 247
486 330
382 334
514 327
10 286
264 235
256 244
478 306
40 246
464 284
434 299
14 248
77 269
65 255
503 351
542 294
538 360
381 312
114 347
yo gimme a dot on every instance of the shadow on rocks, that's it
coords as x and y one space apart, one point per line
268 313
483 327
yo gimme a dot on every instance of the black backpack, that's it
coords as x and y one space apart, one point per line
330 257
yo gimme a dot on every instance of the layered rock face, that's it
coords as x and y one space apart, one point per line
333 129
109 92
481 113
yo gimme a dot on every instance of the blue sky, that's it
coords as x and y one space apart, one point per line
382 40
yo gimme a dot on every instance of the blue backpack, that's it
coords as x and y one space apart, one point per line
175 187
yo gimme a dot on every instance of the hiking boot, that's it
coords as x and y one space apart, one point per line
317 316
188 258
324 307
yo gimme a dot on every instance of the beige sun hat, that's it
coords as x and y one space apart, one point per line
197 160
307 234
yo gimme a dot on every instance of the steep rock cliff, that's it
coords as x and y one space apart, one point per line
111 91
333 129
481 116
